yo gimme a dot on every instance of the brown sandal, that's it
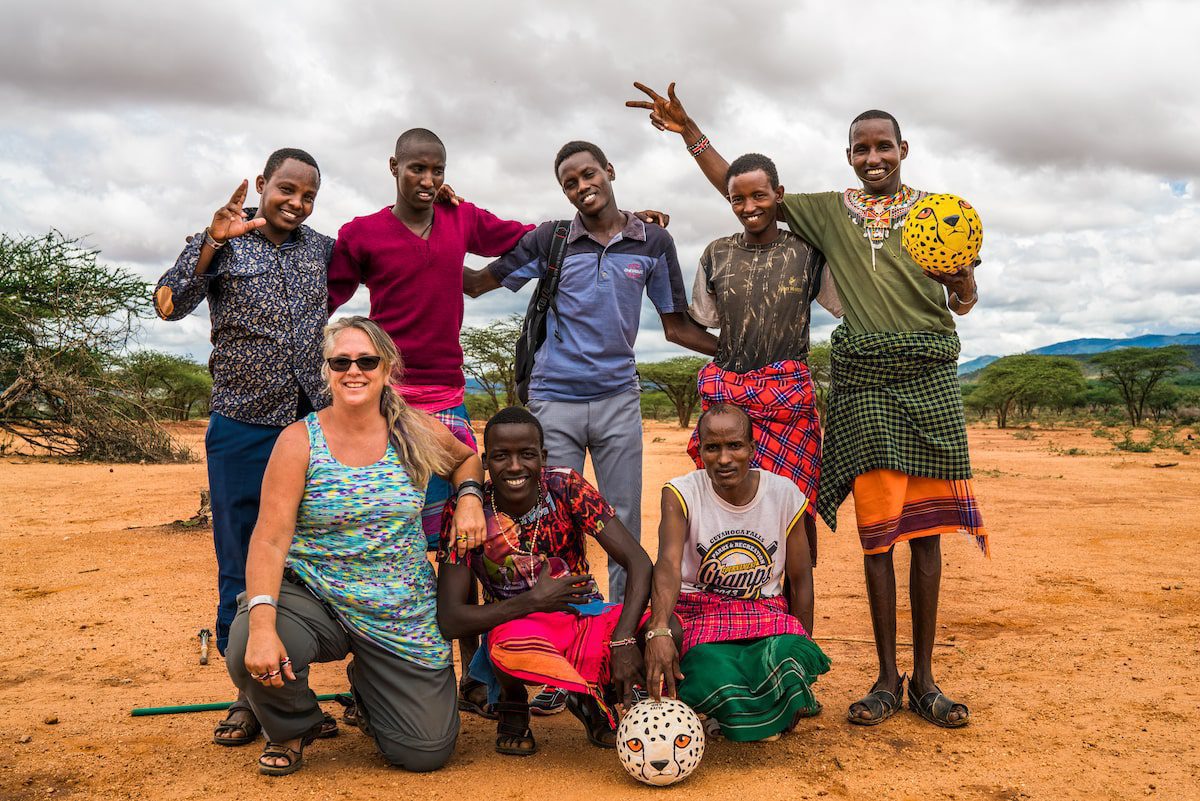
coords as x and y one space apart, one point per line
246 730
294 756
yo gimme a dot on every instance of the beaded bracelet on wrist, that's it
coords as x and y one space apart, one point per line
699 146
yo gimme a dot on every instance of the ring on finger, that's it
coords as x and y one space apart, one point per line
287 660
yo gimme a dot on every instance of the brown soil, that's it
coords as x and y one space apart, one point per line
1075 645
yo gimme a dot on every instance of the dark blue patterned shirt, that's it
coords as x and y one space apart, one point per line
267 306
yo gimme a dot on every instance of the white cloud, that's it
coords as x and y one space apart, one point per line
1068 124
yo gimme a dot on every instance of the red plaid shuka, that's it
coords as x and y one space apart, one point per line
782 406
708 617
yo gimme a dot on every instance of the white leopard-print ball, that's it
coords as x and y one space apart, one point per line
660 742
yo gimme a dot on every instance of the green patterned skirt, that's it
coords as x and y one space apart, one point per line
756 688
894 404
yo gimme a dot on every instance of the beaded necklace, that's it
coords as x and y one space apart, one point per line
520 523
879 214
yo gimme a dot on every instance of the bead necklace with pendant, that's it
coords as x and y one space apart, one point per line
879 214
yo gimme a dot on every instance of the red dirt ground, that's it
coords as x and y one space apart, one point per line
1076 646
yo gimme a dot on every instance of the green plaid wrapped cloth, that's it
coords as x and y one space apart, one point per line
895 403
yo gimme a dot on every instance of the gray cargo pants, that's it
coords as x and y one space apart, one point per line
411 711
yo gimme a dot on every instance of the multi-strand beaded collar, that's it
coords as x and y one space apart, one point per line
879 214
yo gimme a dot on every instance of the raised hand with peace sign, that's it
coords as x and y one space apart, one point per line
668 114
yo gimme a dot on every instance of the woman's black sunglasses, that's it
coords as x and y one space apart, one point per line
340 364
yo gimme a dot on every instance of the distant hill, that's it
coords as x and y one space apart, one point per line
978 363
1076 347
1082 349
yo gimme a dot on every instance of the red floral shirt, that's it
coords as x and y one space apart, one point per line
555 530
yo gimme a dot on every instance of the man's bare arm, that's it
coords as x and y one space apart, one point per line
682 330
478 282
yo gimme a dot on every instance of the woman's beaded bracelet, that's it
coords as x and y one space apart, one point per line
699 146
620 643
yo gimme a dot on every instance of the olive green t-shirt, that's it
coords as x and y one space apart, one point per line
895 295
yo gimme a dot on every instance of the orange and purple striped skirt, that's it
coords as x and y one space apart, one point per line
894 507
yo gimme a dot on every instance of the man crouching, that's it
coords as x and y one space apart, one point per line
544 618
729 537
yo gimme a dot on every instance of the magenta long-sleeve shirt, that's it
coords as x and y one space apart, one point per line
416 284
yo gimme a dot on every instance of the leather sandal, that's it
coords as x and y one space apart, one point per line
472 697
294 756
350 714
595 722
882 704
935 707
513 739
329 728
246 730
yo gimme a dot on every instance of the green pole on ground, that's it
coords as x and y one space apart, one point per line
142 711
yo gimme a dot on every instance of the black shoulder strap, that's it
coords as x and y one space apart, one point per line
548 286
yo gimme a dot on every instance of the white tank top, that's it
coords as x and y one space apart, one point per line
737 551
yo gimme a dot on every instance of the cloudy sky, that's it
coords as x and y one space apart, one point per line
1074 127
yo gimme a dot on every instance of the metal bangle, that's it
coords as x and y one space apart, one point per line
960 302
468 489
257 600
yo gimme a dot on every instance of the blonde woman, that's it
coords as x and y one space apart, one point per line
337 564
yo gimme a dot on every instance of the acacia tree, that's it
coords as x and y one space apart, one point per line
1025 382
489 357
64 320
1163 399
819 368
1101 397
1135 372
172 386
676 378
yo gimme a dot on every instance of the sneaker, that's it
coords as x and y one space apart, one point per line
550 701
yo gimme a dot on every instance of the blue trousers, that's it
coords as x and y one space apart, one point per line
237 456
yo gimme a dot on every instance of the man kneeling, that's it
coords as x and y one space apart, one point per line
727 538
545 620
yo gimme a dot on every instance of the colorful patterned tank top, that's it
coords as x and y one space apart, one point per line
360 547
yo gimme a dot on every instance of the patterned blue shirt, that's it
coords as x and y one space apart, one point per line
267 306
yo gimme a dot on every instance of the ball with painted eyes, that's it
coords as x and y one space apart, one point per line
942 233
660 742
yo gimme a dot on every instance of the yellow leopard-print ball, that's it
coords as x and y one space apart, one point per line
942 233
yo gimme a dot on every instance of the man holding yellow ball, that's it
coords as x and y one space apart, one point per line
894 429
